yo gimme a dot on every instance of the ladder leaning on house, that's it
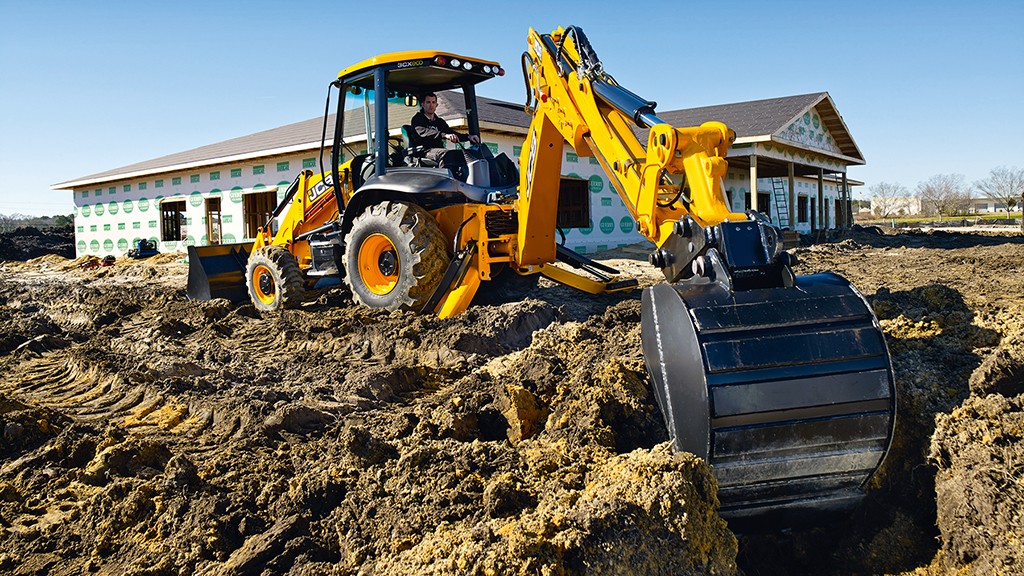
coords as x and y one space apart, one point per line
781 202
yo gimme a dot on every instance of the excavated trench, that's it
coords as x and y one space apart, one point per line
146 434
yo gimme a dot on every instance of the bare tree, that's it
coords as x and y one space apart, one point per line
887 199
967 200
9 222
1004 185
947 193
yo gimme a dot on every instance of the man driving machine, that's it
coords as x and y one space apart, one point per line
431 129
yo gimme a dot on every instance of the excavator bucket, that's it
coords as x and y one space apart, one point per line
218 271
787 392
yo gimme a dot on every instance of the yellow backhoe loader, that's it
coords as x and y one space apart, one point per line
782 383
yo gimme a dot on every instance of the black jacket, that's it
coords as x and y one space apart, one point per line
429 132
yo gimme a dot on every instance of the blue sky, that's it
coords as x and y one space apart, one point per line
86 86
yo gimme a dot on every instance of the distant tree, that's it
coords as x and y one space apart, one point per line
967 200
1004 185
886 198
946 193
9 222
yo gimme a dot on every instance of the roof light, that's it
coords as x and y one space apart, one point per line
487 69
441 60
501 71
455 62
467 66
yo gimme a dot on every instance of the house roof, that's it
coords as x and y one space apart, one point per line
754 120
762 120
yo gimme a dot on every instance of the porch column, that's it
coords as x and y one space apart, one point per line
847 217
821 198
792 197
753 183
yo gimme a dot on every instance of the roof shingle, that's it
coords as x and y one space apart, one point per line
754 118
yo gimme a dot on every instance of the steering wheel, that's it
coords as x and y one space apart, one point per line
477 150
469 150
396 151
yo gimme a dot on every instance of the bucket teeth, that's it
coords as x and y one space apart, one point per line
787 392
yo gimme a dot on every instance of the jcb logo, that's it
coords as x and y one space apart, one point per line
531 162
319 188
410 64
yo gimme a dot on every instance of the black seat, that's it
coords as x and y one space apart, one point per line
363 166
414 151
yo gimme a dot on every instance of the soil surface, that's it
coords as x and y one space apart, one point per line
29 242
146 434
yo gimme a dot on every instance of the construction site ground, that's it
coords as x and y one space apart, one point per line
143 433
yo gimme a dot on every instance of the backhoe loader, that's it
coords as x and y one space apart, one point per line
782 383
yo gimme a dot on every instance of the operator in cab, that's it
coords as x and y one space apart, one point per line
431 129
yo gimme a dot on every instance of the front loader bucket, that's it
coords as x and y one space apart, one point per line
218 271
787 392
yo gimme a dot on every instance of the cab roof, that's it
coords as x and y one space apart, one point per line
418 71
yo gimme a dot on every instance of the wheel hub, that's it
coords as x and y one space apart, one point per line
388 262
264 287
379 264
266 284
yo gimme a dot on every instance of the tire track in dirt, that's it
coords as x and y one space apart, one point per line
60 382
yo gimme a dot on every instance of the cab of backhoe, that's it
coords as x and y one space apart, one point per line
380 95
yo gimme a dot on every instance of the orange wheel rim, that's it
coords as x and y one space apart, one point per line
378 264
263 284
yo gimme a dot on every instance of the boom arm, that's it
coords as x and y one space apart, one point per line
782 384
678 173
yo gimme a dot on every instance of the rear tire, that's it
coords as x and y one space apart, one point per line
273 278
395 256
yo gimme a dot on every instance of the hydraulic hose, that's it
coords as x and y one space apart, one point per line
531 105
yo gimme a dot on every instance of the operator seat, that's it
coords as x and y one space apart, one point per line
414 150
363 167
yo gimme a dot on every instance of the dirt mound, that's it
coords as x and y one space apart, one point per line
29 242
979 452
333 439
146 434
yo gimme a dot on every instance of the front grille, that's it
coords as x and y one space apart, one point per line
499 222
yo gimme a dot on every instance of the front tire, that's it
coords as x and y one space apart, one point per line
395 256
273 278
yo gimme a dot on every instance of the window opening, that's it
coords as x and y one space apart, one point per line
213 221
256 211
174 225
